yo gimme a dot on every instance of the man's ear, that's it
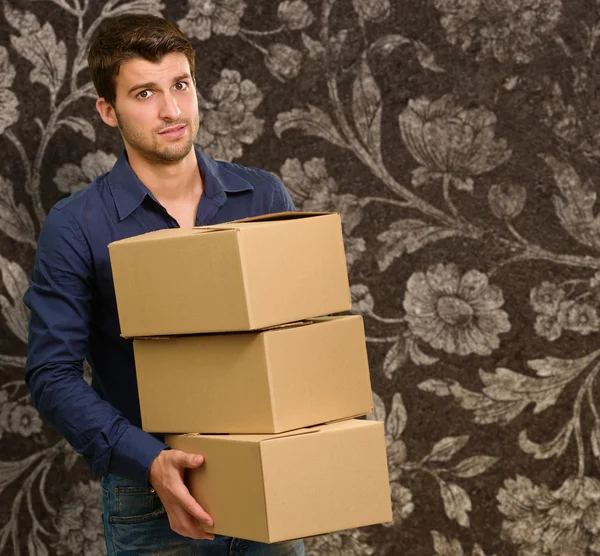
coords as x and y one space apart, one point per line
107 112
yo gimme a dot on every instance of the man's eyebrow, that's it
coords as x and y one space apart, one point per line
152 85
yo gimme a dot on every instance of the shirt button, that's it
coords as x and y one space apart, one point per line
152 491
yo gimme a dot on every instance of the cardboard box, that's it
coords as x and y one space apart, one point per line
242 275
255 382
274 488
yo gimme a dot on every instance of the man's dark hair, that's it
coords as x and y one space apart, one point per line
132 36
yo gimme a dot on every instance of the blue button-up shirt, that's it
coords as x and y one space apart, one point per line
74 313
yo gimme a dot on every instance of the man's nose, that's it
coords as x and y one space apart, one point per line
169 108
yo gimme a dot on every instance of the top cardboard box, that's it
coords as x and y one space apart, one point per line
243 275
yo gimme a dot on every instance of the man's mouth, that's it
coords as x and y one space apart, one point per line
175 131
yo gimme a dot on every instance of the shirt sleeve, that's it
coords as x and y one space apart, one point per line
281 200
60 298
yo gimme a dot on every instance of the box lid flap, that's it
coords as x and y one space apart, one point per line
257 438
297 432
290 215
170 233
257 331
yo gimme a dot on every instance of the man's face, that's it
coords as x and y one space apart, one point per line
156 108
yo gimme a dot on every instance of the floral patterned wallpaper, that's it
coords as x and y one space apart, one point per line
460 141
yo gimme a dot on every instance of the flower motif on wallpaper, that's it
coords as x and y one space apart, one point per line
295 14
205 17
9 103
283 61
373 10
562 117
542 521
451 142
455 313
344 543
312 189
507 30
17 418
577 123
227 119
79 521
402 503
451 547
556 312
71 177
507 200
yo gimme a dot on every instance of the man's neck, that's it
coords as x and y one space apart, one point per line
169 182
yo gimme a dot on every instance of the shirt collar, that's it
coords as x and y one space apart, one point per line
129 192
217 178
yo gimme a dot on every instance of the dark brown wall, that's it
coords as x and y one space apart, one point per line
460 140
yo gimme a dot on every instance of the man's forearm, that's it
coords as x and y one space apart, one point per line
94 428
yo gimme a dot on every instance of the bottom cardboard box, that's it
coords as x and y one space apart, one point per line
273 488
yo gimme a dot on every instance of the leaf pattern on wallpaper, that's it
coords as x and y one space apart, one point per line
388 43
313 190
539 520
344 543
574 205
38 44
312 121
80 125
457 503
395 423
408 236
550 449
13 310
72 177
507 393
9 103
473 466
459 142
15 220
446 448
451 547
396 357
367 107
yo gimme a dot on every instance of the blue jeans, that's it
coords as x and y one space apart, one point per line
135 522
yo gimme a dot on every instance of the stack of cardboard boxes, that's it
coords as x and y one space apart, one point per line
234 361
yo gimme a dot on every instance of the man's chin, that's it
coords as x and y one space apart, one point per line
173 154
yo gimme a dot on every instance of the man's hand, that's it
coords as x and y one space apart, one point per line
186 516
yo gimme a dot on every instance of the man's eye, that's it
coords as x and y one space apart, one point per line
181 86
144 94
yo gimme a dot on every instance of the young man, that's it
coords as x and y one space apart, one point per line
143 70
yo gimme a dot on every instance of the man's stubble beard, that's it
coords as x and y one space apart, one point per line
168 154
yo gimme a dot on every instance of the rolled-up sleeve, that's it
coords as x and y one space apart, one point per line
60 300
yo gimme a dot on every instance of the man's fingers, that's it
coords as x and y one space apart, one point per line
185 499
187 526
190 461
196 510
191 527
186 516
